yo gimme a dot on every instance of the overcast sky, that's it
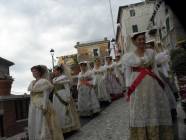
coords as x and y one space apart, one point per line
29 29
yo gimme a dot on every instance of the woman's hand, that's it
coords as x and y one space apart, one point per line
83 82
142 60
44 110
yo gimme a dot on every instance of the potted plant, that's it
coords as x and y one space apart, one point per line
5 84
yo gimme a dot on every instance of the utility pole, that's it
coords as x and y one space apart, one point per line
111 13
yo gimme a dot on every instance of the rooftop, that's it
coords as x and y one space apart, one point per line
5 61
91 43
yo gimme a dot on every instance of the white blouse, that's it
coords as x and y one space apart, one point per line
132 60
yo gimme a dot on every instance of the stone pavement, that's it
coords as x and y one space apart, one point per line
113 122
110 124
181 125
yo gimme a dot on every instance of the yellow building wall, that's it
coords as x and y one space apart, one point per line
85 53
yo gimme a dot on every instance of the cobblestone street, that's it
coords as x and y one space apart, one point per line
110 124
113 122
181 125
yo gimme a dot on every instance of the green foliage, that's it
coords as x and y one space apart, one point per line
4 76
178 59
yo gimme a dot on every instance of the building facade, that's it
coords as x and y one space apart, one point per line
4 66
120 40
167 30
68 59
133 18
71 62
89 51
13 108
5 79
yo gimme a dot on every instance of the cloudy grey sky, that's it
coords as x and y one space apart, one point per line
29 29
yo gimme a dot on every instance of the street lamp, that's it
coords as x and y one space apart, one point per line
52 54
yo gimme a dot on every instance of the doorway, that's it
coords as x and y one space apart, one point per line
1 126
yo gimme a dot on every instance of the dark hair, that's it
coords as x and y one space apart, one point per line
39 68
109 57
118 56
83 64
59 68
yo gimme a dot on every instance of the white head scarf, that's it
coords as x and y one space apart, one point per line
88 64
46 73
67 72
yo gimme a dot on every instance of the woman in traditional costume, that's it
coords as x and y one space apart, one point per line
163 60
150 116
163 68
88 103
112 82
42 121
100 87
120 72
63 102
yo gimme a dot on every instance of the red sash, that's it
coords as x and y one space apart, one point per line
85 82
142 73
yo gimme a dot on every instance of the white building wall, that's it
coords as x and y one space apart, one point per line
143 13
168 38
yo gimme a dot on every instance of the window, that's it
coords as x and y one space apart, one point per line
135 28
96 52
160 33
168 24
153 22
166 10
132 13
